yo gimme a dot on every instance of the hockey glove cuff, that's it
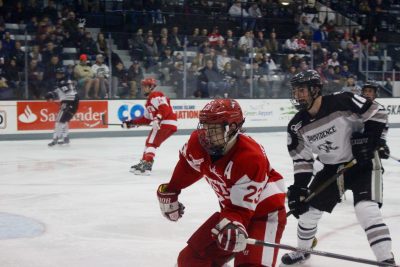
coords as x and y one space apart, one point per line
230 235
362 146
156 122
296 196
169 205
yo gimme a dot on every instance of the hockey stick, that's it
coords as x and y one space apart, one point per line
393 157
252 241
327 183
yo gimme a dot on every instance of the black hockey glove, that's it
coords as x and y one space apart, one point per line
296 196
383 149
362 147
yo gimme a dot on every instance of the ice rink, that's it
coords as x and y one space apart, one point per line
79 206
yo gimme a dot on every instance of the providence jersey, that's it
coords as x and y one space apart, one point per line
65 91
328 134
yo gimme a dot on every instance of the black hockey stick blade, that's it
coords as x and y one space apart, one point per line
104 121
252 241
327 183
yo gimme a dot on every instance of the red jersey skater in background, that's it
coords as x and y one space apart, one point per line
250 192
160 115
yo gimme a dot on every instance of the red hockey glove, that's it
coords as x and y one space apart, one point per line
169 205
156 122
128 124
230 235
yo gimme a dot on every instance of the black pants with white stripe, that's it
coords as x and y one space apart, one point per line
67 110
364 181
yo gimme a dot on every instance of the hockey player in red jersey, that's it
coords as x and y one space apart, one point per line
250 192
160 115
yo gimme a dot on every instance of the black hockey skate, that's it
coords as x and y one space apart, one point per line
52 143
65 141
142 168
391 261
293 258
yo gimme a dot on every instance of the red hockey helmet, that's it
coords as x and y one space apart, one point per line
222 111
219 123
149 82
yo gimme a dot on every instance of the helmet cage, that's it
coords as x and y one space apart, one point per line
371 85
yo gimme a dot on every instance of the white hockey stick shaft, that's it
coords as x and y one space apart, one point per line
393 157
252 241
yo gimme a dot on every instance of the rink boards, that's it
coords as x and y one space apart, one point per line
27 119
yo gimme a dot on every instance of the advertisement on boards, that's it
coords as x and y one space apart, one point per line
33 115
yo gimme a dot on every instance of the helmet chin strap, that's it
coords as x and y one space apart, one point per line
314 96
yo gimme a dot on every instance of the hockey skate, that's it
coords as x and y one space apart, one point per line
65 141
296 257
142 168
53 143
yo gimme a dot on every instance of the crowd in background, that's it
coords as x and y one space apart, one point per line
250 60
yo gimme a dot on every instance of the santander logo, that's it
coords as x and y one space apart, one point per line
28 116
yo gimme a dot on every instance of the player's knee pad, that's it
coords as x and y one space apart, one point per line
368 213
310 218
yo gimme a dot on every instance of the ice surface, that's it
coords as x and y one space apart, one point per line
95 213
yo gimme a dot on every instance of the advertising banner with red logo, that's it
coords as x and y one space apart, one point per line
42 115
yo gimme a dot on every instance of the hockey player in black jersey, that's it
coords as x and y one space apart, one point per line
370 90
65 91
337 128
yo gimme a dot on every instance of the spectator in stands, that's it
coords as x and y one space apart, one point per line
49 73
291 45
345 72
315 24
268 63
136 44
84 75
246 42
167 65
191 81
231 48
231 78
19 56
222 59
318 55
351 86
321 35
240 14
212 55
48 52
18 13
150 53
199 61
35 54
304 26
374 47
175 40
135 75
204 35
88 46
32 25
272 44
255 13
5 91
333 80
70 24
101 44
35 77
259 42
176 78
101 76
8 43
162 45
210 81
119 81
51 11
230 35
90 6
11 75
347 56
214 37
195 39
333 61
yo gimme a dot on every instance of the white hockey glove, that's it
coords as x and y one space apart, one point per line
169 205
156 122
230 235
